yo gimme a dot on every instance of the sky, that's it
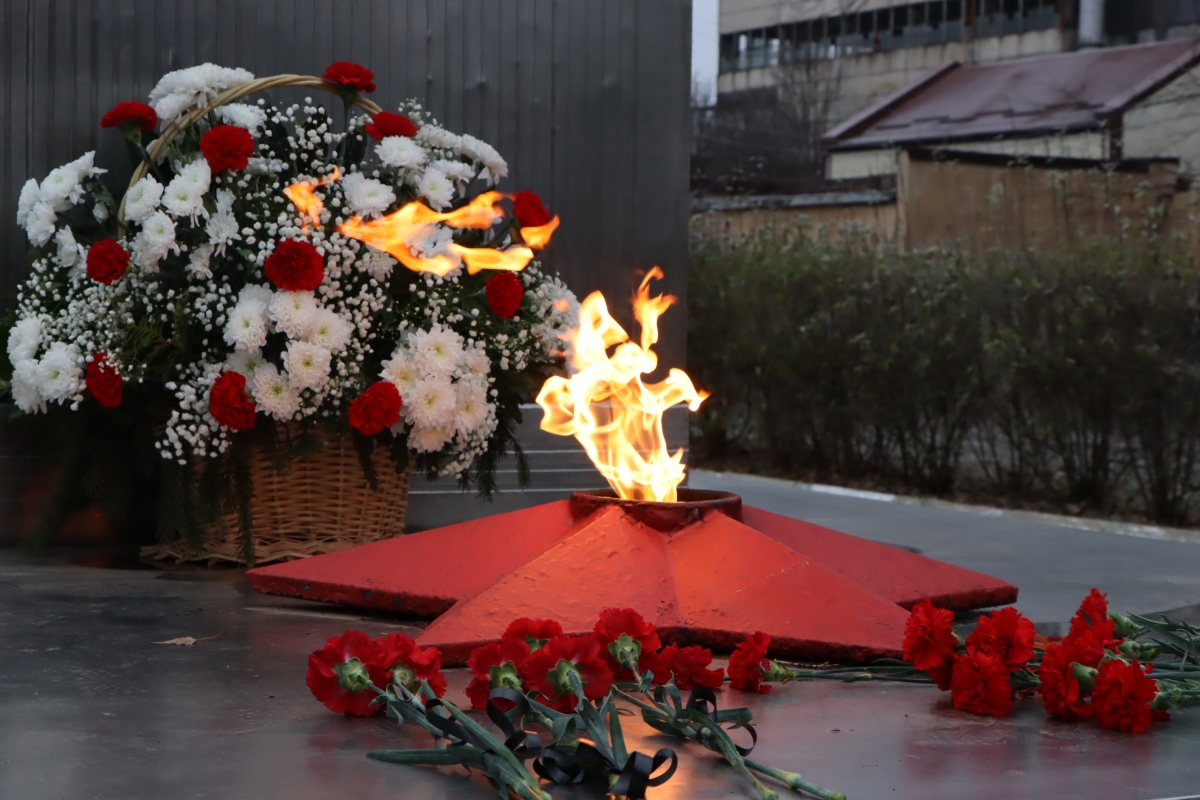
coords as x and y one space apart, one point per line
705 48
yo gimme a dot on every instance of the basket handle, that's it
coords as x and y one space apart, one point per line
236 93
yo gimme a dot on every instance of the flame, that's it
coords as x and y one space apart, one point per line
538 236
606 406
393 232
303 195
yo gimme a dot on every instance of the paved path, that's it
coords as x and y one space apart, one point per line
91 708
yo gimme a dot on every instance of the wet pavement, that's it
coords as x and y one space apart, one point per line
91 707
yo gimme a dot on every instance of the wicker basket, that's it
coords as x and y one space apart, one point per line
319 505
315 507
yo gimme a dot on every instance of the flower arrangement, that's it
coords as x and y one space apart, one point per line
265 274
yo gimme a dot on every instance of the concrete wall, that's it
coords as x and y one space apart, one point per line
1167 123
860 80
979 207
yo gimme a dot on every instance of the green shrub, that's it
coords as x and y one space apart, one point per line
1070 378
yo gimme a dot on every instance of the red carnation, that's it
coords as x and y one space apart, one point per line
504 294
496 666
229 403
376 408
103 381
1093 611
547 671
1121 699
385 124
534 632
351 75
943 673
929 640
107 261
748 663
227 147
641 645
689 666
981 685
1061 693
130 112
339 674
295 266
1005 634
528 209
410 664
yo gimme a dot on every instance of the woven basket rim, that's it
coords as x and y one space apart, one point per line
237 92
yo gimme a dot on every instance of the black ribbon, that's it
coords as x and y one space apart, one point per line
704 700
523 743
563 768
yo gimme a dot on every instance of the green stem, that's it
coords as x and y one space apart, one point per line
793 781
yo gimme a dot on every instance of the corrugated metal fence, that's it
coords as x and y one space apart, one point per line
586 99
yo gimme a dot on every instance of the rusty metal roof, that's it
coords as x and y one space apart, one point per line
1064 92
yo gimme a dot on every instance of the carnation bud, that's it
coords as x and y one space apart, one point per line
626 650
505 676
560 678
777 673
403 676
1142 652
1086 677
352 675
1124 628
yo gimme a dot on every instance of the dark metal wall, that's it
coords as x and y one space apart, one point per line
586 99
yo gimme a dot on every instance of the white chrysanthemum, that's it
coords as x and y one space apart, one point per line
258 292
307 364
245 363
222 226
403 372
31 195
199 262
378 264
425 439
184 196
155 241
274 393
25 392
495 167
246 328
62 188
294 313
243 115
430 240
437 352
142 199
59 374
367 197
457 171
433 136
24 339
39 223
69 252
401 152
183 89
436 188
432 402
472 405
330 331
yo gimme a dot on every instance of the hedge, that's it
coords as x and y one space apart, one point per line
1068 378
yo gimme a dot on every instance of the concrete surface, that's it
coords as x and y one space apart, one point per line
1053 566
92 708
